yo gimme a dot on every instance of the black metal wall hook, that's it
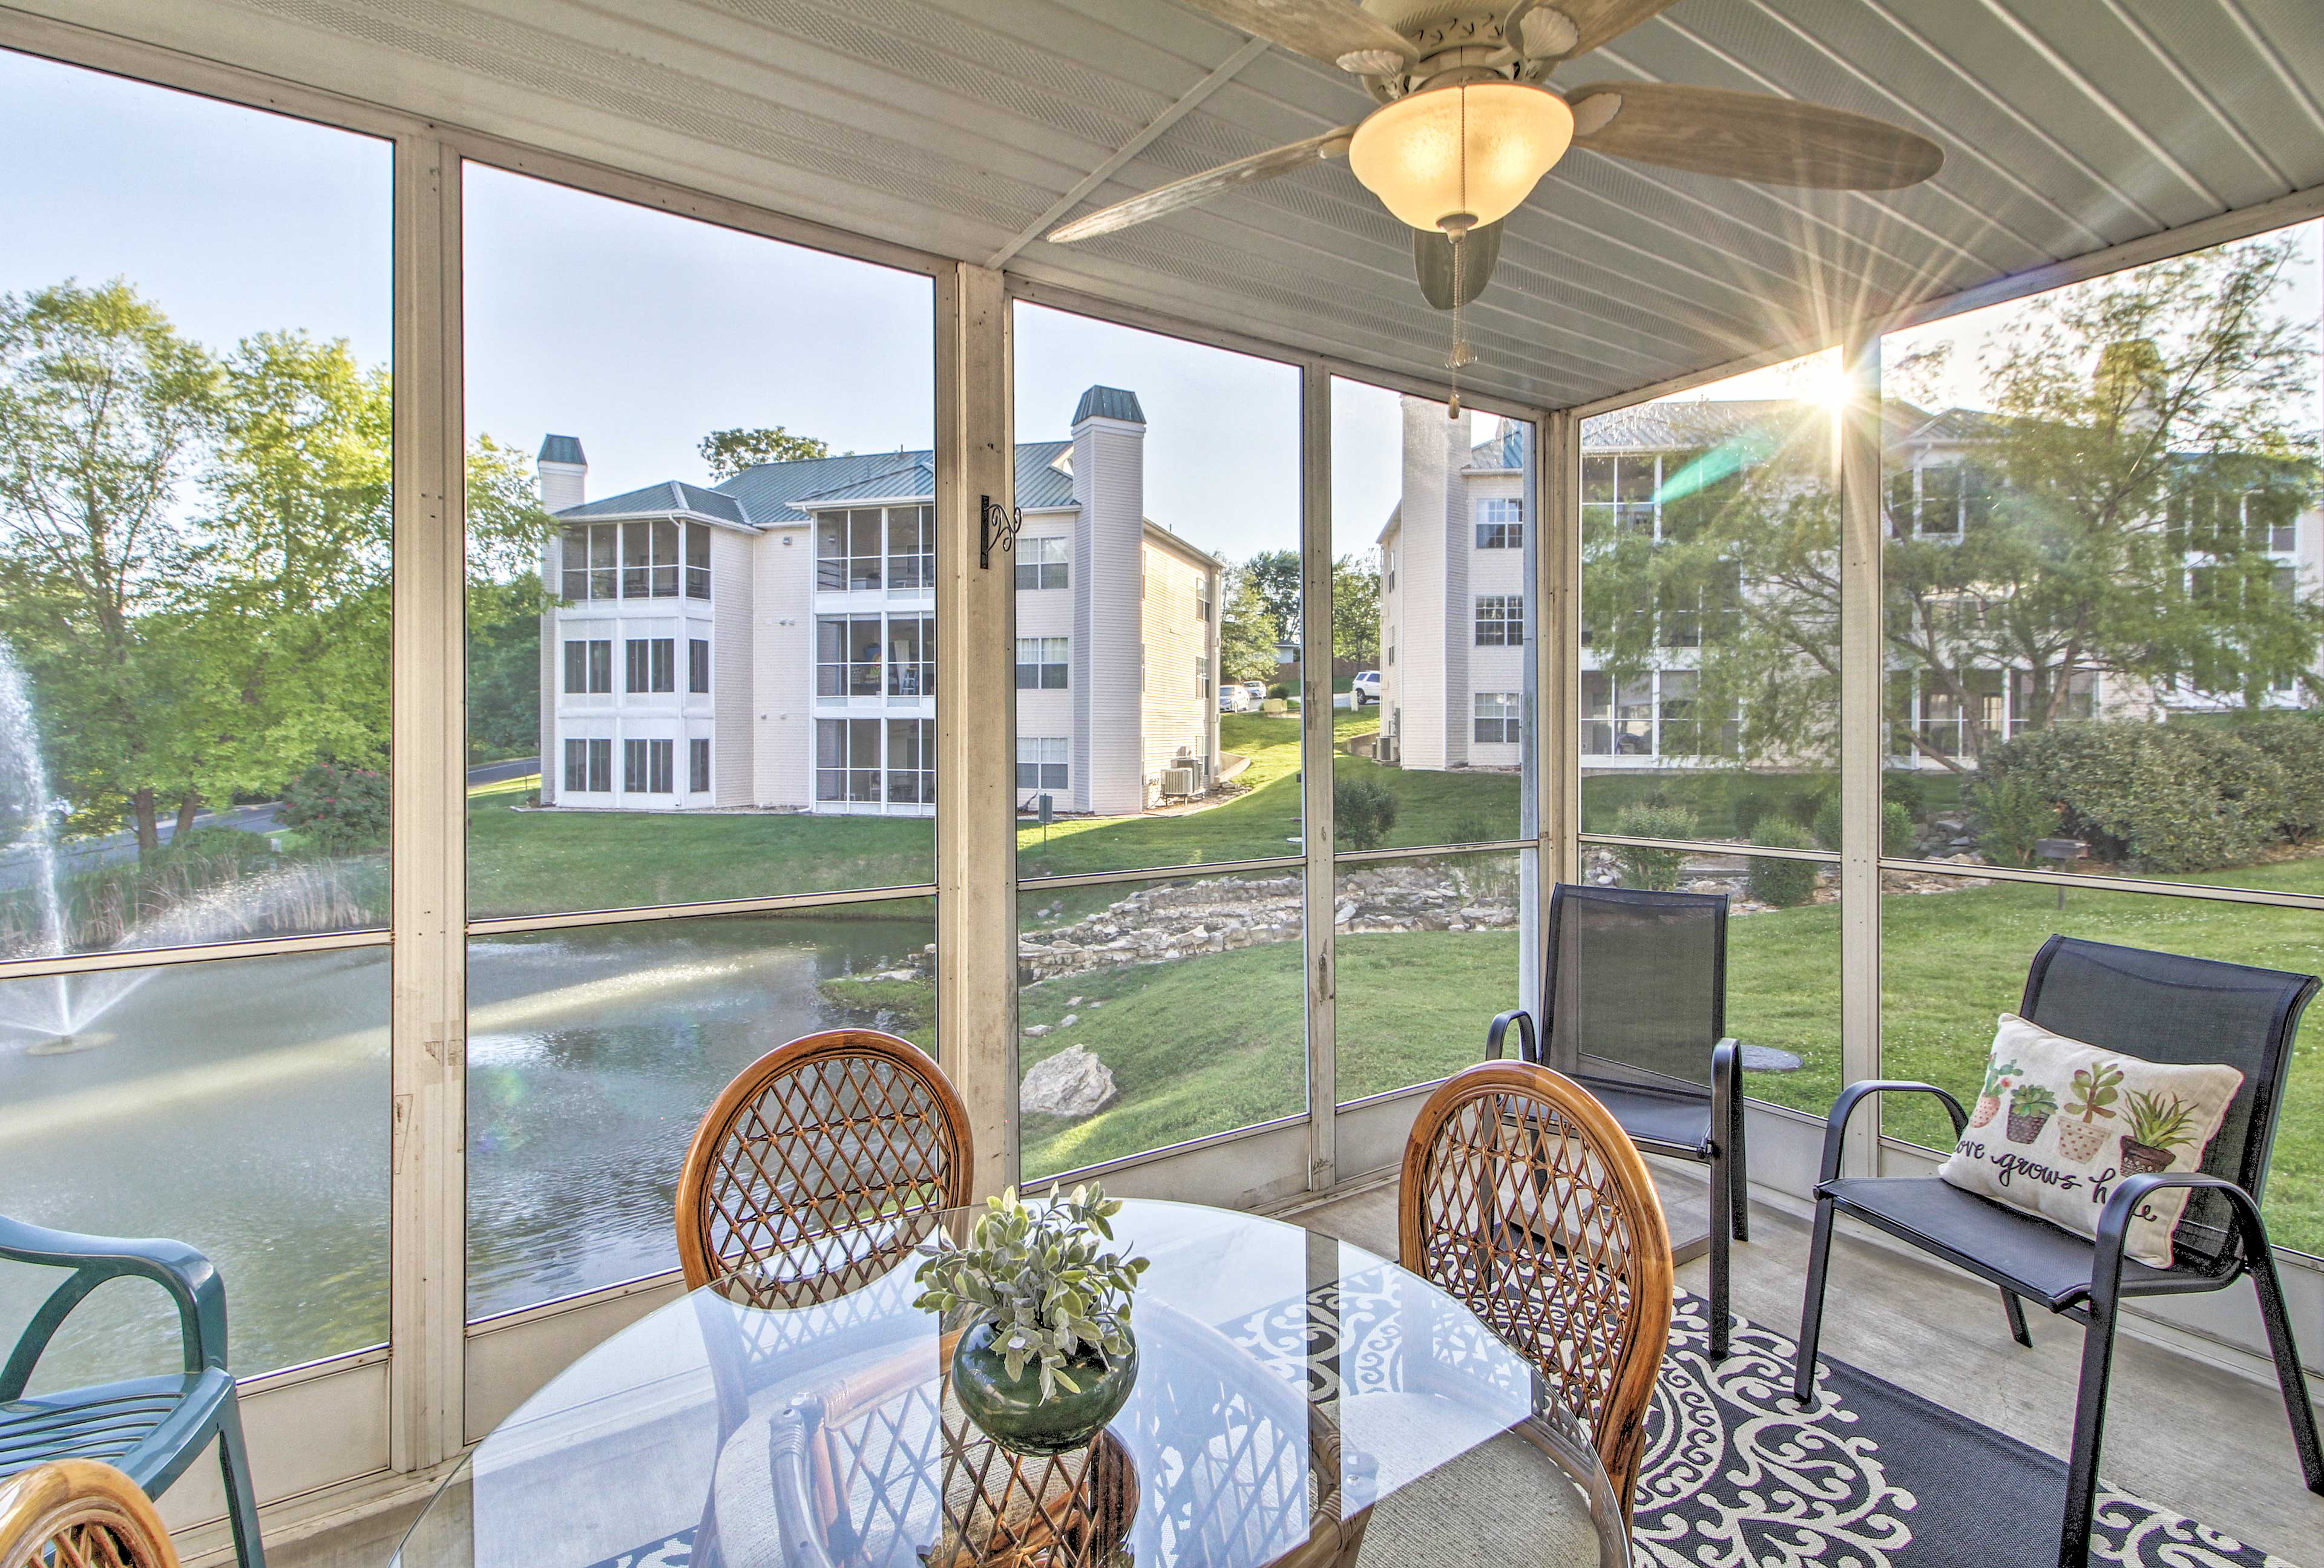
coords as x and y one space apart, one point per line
996 524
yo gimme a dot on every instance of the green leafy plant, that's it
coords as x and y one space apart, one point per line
1783 883
1895 826
1653 870
1034 1273
338 810
2032 1100
2159 1122
2095 1089
2010 815
1363 810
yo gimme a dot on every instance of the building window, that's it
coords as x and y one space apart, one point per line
1500 524
1045 562
847 550
911 549
1041 664
652 664
1202 678
589 666
649 560
1201 595
1041 763
589 767
697 666
1500 621
1619 493
698 560
847 760
911 761
590 568
576 767
846 657
697 767
911 655
1938 500
1497 717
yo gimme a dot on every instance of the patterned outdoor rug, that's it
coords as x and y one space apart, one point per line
1736 1476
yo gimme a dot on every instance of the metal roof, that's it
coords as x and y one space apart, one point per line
562 449
774 492
963 127
912 482
1109 402
668 497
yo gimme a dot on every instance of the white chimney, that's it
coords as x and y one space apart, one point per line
564 472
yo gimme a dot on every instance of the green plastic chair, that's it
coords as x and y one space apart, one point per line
152 1428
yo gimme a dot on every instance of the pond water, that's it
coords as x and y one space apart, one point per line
243 1106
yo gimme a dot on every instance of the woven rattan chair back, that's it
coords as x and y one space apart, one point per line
819 1167
1524 1199
77 1513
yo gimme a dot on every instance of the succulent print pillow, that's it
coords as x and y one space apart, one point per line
2057 1124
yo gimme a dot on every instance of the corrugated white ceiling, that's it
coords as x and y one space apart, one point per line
957 126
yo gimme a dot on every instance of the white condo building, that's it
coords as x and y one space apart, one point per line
769 643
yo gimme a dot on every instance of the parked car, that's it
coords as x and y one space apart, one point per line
1367 686
1233 699
1255 692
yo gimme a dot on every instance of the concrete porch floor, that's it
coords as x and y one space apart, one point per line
2183 1432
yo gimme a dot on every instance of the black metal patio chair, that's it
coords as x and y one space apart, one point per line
2163 1008
1634 988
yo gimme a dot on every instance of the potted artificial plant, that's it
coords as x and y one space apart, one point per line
2157 1127
2031 1106
1045 1355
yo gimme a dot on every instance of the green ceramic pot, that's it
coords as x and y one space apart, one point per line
1011 1410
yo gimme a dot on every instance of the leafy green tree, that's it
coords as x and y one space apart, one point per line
104 409
1276 574
507 531
729 452
2119 498
1356 610
1247 629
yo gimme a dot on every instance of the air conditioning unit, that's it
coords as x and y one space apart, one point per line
1180 781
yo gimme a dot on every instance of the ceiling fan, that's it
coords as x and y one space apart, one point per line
1465 128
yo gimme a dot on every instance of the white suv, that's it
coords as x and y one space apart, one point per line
1368 687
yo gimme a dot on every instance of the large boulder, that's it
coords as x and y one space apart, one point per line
1072 1084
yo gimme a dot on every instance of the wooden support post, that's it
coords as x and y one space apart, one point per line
1862 672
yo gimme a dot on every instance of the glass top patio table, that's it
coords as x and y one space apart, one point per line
1299 1400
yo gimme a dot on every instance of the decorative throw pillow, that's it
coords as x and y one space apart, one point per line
2078 1120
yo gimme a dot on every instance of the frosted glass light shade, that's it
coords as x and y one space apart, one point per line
1408 153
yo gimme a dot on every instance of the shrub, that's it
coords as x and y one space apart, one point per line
217 845
1363 810
1655 870
339 810
2295 743
1748 809
1905 789
1784 884
1475 827
2008 814
1279 690
2172 797
1895 826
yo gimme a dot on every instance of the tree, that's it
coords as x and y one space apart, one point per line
1277 574
1247 629
2115 504
729 452
1356 610
507 531
104 410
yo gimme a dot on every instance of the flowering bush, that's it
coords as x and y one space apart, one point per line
339 810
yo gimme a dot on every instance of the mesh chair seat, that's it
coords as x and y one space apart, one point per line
1679 1120
2043 1261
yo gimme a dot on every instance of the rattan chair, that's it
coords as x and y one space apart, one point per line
816 1171
1524 1199
1634 1009
819 1167
79 1513
2163 1008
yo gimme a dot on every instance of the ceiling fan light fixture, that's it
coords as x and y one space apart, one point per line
1476 149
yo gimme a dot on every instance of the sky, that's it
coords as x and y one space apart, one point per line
639 332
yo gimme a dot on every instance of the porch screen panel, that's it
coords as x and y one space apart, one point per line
2103 561
772 739
1158 574
1708 701
196 334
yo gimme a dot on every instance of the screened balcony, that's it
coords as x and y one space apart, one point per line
1928 570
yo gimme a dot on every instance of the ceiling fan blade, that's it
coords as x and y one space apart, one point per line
1195 188
1597 23
1750 137
1324 30
1432 260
